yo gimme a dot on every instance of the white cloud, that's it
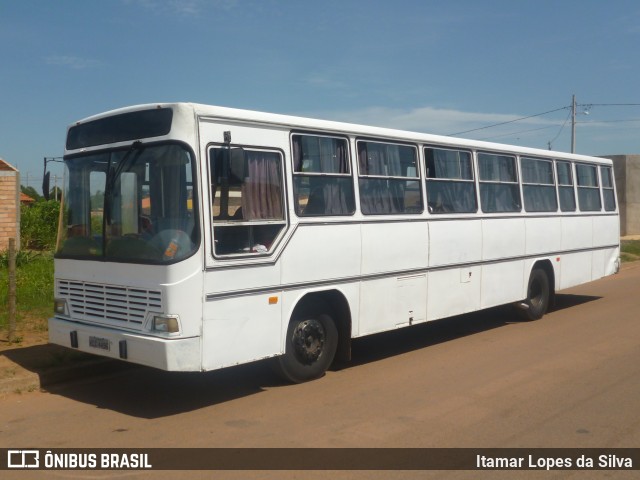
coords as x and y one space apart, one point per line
319 80
186 8
76 63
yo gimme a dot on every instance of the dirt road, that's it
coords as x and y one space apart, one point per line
487 379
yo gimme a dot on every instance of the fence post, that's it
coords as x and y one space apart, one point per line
12 289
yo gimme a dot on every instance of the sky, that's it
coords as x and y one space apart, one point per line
449 67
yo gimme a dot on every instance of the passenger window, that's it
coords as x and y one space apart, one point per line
588 191
388 180
538 186
499 191
608 194
322 182
450 185
565 187
248 206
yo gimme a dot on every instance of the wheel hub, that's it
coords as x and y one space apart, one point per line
308 341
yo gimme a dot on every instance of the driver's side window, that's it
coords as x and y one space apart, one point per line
247 210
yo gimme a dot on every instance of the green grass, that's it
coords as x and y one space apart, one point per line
34 291
630 250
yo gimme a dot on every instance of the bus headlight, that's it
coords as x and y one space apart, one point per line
60 306
165 323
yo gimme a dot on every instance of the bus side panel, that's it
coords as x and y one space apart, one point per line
503 238
611 261
606 233
394 247
502 281
606 230
390 302
455 290
245 327
454 242
544 235
576 269
241 329
241 277
321 253
597 264
577 232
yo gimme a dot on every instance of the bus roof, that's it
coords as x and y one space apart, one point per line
305 123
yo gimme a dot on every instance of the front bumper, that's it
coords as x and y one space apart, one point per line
179 354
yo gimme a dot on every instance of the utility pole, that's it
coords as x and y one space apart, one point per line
573 124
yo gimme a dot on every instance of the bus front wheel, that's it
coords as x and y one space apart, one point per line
310 345
537 295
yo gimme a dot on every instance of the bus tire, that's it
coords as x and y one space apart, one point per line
538 295
310 346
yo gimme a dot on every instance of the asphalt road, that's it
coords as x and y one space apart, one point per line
486 379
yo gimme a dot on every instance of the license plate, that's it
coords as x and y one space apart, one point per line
99 342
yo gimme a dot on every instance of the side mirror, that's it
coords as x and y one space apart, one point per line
237 163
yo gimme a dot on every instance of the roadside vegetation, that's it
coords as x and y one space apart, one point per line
630 250
34 271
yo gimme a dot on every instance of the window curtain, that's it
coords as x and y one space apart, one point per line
496 168
564 173
261 189
587 176
451 196
567 199
538 190
380 195
539 198
499 197
536 171
451 164
589 199
328 194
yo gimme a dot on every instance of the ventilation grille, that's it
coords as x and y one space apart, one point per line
109 303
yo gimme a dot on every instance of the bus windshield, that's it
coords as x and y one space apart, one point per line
134 205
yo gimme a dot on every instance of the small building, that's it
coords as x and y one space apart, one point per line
9 205
25 199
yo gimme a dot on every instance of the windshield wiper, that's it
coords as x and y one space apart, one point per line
112 176
126 161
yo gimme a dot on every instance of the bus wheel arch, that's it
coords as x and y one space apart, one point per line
318 332
540 293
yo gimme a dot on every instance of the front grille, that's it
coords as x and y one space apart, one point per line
109 303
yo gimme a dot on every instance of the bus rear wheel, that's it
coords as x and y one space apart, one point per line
310 346
538 295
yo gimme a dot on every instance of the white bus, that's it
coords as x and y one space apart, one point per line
197 237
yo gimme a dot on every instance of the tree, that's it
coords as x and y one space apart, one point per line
39 225
30 191
55 194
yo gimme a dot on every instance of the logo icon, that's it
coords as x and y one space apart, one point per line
23 459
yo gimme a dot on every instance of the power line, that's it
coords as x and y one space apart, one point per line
560 131
613 104
629 120
546 113
510 121
517 133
